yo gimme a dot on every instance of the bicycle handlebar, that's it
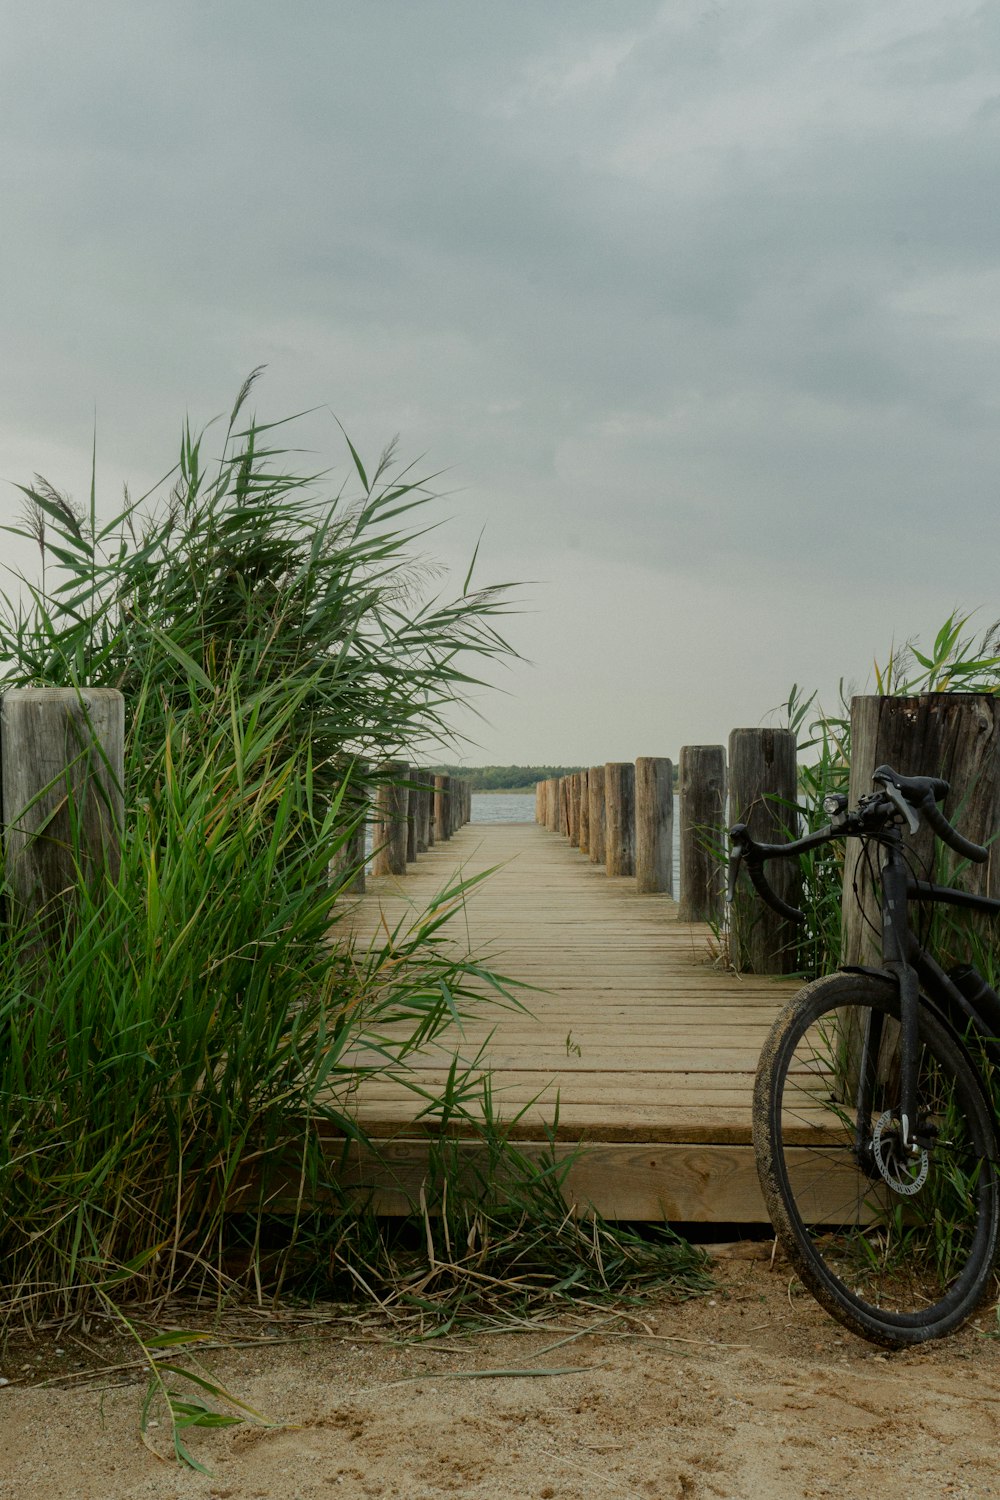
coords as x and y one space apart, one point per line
872 815
744 847
924 793
950 835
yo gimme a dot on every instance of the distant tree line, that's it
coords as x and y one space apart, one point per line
505 778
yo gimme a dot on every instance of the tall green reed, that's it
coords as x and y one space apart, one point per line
199 1019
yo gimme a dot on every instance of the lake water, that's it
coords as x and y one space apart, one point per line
503 807
519 807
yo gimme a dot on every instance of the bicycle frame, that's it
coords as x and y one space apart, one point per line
910 967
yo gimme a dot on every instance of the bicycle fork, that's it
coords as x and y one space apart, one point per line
895 944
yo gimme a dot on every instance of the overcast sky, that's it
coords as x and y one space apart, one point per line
698 305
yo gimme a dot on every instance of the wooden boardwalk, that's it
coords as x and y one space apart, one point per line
649 1050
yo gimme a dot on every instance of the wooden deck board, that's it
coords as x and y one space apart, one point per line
648 1049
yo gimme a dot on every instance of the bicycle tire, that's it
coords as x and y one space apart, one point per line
877 1258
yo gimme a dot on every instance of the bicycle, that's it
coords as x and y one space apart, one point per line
874 1128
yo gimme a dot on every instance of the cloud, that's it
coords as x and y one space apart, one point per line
703 289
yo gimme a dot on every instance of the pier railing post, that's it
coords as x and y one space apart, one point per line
583 824
762 793
596 814
412 815
424 809
619 826
63 756
441 829
391 827
574 808
951 735
553 805
654 825
702 812
347 868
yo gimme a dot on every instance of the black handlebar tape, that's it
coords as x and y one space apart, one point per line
756 872
951 836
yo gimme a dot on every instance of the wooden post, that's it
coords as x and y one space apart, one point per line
424 810
412 810
654 825
583 828
953 735
574 808
762 785
619 818
442 829
564 808
351 855
391 827
702 811
552 822
62 764
595 800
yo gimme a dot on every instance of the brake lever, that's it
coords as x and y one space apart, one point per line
896 797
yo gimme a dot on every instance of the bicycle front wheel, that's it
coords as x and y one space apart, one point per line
898 1247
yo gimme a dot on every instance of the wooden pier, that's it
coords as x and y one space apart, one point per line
647 1048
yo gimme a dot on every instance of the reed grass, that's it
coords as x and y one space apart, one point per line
275 647
197 1025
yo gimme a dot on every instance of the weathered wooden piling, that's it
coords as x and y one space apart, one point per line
654 825
574 808
762 793
702 814
952 735
553 804
619 818
596 814
412 813
355 810
62 769
583 827
442 829
391 826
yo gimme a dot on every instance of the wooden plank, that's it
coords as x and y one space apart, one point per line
690 1183
649 1051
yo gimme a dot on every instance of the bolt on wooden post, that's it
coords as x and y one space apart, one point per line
762 793
702 813
654 825
619 814
62 764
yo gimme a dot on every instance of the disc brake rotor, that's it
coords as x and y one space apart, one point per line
904 1174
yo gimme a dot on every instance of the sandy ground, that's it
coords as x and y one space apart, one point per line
751 1393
